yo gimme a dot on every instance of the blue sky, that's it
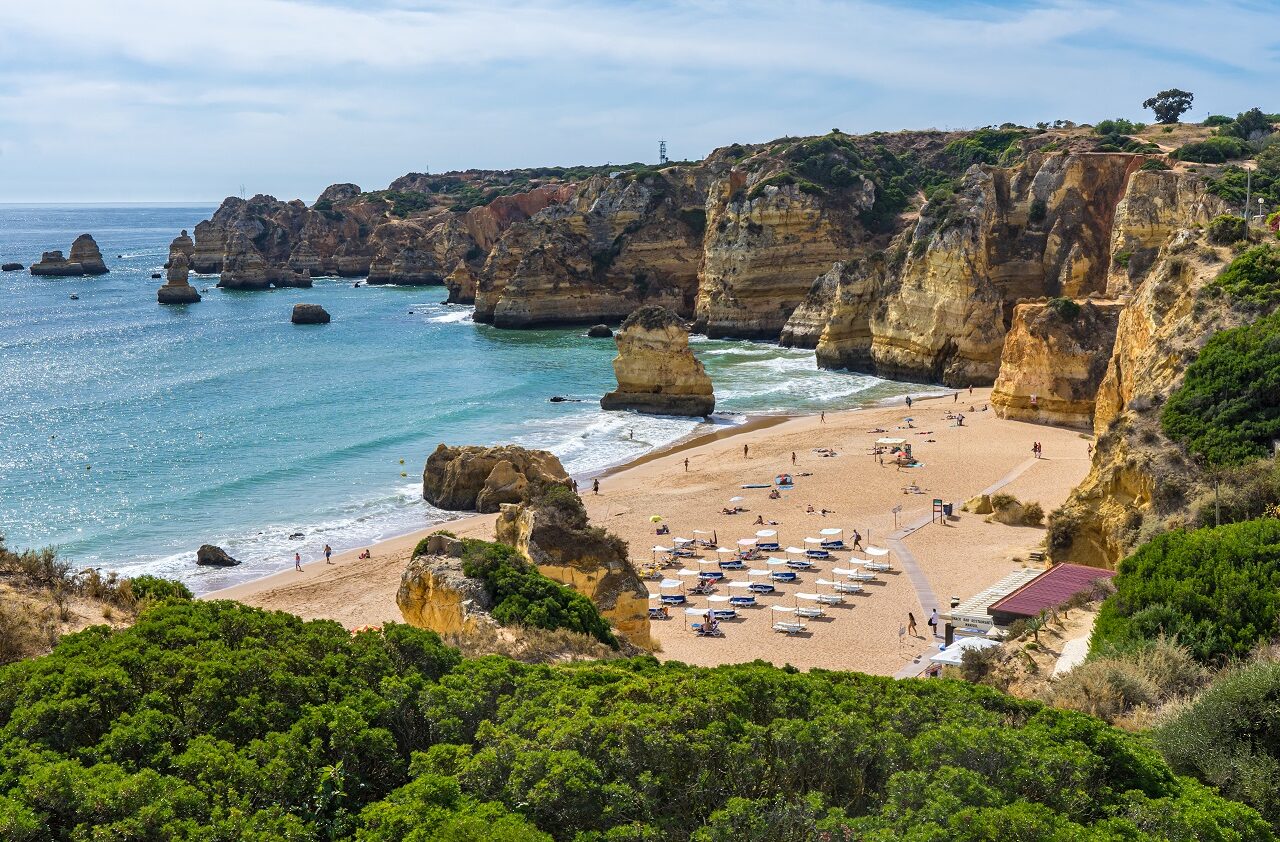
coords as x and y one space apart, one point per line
137 100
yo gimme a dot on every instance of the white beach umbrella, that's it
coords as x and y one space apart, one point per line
726 550
830 532
693 611
746 542
736 499
795 550
826 583
876 551
890 441
702 532
759 572
743 584
717 599
679 541
767 533
655 596
843 571
812 597
663 549
782 609
671 583
684 571
815 541
776 562
708 562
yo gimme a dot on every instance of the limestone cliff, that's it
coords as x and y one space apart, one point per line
483 478
1040 228
656 371
620 243
559 541
1155 206
1137 477
1054 357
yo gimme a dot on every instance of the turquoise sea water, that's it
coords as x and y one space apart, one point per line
131 433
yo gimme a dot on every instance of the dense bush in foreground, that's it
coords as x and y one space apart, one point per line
215 721
1227 409
1230 737
1217 591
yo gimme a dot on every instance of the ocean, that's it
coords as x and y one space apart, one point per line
131 433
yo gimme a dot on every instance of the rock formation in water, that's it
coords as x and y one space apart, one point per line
85 259
553 533
483 478
600 332
11 267
176 289
1053 361
309 314
656 371
210 555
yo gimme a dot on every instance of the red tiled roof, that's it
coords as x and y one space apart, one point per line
1051 588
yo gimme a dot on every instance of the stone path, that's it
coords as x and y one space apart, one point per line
907 561
1074 651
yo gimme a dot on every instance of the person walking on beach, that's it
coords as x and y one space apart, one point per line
911 624
745 450
822 417
686 464
328 554
955 398
908 401
933 622
970 390
297 562
857 540
793 457
595 486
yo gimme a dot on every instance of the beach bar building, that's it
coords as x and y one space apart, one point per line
1050 589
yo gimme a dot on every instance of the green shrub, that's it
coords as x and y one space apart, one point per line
1118 126
1067 309
1032 514
1216 120
1227 409
1226 229
1121 258
155 589
1212 150
1248 125
1111 686
524 597
1230 738
1216 590
1153 164
1253 276
215 721
1038 211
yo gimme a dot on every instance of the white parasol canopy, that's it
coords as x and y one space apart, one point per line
809 596
759 572
795 549
717 599
887 440
679 541
829 531
702 532
776 562
746 542
671 583
736 499
767 533
876 551
743 584
841 571
663 549
954 653
725 550
813 540
783 609
684 571
701 611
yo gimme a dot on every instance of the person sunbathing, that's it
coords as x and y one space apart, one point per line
759 520
774 494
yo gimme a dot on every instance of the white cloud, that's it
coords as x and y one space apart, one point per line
288 95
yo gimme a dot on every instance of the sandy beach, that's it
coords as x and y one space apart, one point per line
931 562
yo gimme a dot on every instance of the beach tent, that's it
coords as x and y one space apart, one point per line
952 655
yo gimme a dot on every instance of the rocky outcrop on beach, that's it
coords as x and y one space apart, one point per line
657 372
210 555
481 479
85 259
1054 358
436 594
553 533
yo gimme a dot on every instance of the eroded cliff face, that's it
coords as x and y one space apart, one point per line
1053 361
435 594
591 561
1137 475
656 371
481 479
937 305
621 243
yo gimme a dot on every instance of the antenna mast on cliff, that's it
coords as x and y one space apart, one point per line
241 191
662 152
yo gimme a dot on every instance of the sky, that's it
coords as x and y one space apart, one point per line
152 100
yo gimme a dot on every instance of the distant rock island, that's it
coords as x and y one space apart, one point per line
85 259
177 289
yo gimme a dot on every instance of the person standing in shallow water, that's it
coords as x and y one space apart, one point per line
297 562
595 486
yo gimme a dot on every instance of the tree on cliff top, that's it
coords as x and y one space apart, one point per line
1170 105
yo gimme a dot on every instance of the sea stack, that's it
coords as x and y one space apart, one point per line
85 259
176 289
310 314
656 371
483 478
11 267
